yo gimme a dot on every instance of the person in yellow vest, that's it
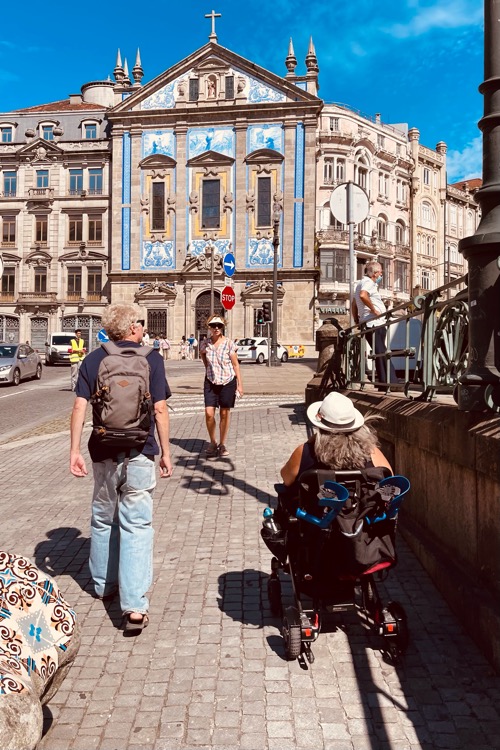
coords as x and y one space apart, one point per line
76 356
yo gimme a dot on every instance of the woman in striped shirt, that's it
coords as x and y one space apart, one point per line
222 383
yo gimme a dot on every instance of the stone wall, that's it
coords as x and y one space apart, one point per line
451 518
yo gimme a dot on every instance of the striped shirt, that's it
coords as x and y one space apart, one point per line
220 369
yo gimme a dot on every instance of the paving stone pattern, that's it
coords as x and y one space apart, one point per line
209 671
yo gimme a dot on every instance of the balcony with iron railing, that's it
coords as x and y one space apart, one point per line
41 193
37 297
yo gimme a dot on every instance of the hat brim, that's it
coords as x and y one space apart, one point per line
216 320
312 412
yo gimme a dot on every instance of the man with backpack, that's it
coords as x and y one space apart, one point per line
126 385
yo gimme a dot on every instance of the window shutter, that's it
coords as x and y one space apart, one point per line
229 87
194 89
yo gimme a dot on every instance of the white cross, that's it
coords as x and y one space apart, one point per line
213 15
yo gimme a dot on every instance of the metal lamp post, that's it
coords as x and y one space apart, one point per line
479 386
274 360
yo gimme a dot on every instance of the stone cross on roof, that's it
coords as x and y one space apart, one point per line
213 15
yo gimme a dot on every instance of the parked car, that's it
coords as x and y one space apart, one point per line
57 348
257 350
18 362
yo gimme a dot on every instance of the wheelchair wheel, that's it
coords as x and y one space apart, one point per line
274 595
291 632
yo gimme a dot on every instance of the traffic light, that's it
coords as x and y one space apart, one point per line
267 312
260 316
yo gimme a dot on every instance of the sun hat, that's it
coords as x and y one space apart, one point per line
216 319
336 413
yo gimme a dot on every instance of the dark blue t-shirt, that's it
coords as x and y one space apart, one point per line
87 385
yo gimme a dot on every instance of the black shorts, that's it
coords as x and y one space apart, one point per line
222 396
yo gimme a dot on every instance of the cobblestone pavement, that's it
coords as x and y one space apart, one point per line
209 671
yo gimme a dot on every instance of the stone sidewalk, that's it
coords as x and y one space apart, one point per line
209 671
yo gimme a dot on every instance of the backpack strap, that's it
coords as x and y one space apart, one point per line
111 348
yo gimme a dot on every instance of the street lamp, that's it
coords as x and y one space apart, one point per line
274 360
209 252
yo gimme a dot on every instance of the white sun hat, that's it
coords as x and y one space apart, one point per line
216 319
336 413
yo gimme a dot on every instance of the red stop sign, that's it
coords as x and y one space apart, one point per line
228 298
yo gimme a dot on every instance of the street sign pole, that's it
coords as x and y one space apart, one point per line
352 260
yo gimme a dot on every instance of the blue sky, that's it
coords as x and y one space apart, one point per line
414 61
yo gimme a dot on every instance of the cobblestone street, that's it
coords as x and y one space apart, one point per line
209 671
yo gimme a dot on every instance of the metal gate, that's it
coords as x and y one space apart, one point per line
202 312
89 325
39 330
157 323
9 329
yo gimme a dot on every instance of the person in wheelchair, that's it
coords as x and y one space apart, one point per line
342 440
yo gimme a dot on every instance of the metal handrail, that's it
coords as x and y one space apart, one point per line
434 357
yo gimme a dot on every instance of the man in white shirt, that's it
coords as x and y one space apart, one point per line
367 304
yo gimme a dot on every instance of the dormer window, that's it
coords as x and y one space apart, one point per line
6 135
48 132
90 131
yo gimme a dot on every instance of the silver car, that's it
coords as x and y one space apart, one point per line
17 362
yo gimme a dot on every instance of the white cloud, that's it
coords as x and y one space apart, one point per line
444 14
467 163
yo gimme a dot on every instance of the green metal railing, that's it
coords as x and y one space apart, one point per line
429 347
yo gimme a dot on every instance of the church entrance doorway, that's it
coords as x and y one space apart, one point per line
202 312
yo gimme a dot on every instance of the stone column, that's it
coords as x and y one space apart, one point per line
135 201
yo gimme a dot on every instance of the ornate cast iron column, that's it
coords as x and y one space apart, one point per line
479 386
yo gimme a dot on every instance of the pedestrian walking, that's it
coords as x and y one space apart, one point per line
367 304
222 384
156 342
145 338
76 356
193 343
183 348
121 544
164 347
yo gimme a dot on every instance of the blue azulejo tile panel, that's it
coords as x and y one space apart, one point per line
201 140
125 239
157 255
261 254
197 247
158 142
259 92
265 136
164 98
298 215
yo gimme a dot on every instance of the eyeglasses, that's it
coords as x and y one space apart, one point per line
139 323
215 325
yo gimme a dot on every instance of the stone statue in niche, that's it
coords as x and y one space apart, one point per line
181 89
211 89
240 86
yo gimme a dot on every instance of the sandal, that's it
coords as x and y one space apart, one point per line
135 624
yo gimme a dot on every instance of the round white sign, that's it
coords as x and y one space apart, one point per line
360 203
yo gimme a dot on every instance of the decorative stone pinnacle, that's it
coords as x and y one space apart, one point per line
118 71
291 60
137 70
311 59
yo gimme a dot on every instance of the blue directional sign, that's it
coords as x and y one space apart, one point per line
102 336
229 264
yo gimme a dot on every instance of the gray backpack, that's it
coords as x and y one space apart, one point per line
122 404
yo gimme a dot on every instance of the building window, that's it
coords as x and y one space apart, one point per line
361 177
401 277
400 233
90 131
427 176
334 266
95 181
9 184
425 279
74 282
386 272
229 87
75 181
340 169
380 140
41 229
6 135
95 229
453 217
383 184
210 211
428 216
194 89
328 172
94 282
453 254
334 124
157 206
398 149
75 229
264 202
382 228
9 231
9 282
400 191
40 280
364 229
42 178
48 132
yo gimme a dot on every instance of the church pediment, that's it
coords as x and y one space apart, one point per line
39 258
211 158
155 291
196 264
213 75
83 254
259 289
264 156
158 161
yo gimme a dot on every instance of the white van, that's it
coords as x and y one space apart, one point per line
57 348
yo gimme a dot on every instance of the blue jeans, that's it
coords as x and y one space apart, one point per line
121 540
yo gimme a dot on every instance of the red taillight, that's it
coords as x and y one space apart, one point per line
252 348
